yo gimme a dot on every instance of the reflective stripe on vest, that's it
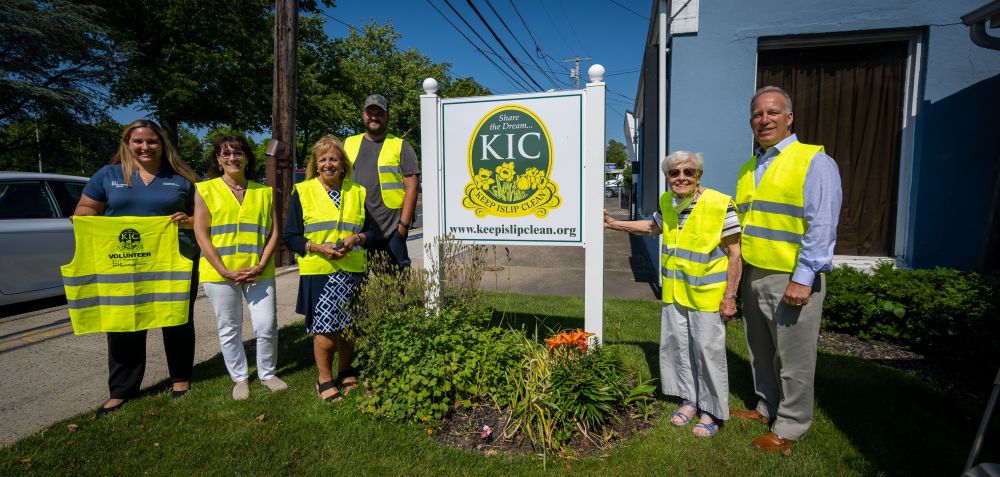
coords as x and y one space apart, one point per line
239 231
325 223
693 267
390 175
772 213
127 274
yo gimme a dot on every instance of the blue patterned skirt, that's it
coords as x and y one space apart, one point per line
325 301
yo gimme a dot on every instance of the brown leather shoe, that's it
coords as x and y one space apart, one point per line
772 442
750 414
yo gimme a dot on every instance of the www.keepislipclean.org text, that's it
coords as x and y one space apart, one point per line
513 230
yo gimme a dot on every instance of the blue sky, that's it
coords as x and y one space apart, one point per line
610 32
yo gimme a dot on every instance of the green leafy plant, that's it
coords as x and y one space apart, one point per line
565 389
943 313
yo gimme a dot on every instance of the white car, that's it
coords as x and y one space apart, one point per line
612 187
36 237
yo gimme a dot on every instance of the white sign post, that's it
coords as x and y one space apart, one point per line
516 169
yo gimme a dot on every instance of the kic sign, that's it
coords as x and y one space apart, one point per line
510 164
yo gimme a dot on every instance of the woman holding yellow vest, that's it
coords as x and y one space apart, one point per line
701 266
146 178
234 222
327 228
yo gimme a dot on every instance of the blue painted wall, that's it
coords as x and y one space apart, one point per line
957 144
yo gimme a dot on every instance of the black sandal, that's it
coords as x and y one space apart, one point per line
104 411
331 384
346 388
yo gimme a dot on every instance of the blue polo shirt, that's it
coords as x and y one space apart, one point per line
168 193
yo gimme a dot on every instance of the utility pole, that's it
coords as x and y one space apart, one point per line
575 72
279 164
38 146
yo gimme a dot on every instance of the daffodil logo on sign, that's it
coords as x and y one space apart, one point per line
510 164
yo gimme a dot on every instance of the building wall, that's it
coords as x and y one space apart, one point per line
957 143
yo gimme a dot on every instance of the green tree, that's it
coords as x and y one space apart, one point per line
54 58
615 153
65 147
192 150
200 62
369 61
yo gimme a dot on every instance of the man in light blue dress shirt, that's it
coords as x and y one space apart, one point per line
782 310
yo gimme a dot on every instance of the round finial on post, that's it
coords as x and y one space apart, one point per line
596 73
430 85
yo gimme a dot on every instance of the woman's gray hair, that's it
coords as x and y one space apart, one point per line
679 157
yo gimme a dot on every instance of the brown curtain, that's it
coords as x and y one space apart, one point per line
849 98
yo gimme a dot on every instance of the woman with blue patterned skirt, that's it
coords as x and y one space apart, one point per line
325 226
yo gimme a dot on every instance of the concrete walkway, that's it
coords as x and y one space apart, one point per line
49 374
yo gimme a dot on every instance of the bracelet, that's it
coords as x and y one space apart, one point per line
728 295
407 225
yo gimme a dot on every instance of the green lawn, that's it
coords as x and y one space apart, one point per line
870 420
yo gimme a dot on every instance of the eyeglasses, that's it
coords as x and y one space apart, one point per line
236 154
687 172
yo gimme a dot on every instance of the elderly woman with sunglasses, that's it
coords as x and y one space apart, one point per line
701 265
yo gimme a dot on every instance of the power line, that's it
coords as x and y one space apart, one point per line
538 49
623 72
629 10
519 80
502 45
513 82
572 30
494 10
348 25
554 27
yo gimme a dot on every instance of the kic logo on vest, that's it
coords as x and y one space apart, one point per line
132 251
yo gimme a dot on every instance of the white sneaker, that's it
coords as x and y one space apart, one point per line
275 384
241 390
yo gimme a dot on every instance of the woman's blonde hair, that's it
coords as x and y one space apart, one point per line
130 164
323 145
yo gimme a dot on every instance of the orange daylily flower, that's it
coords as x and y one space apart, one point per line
570 339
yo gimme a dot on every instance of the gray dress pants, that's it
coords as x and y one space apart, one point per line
782 343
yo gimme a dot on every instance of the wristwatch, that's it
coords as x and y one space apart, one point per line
407 225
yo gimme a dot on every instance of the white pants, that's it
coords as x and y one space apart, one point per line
227 301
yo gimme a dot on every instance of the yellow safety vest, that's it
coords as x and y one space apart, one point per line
239 231
390 175
692 265
127 274
772 213
325 223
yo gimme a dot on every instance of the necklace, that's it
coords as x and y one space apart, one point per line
235 187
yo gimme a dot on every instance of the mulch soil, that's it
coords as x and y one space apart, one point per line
465 426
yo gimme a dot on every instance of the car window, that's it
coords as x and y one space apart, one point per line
26 200
67 194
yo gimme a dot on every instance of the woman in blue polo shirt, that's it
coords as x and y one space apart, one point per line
146 178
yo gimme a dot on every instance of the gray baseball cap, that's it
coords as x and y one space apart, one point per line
376 100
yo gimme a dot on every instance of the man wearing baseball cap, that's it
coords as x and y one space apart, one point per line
387 167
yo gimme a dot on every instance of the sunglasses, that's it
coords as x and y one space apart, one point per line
687 172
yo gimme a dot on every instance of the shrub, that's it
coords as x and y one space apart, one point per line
565 390
418 363
943 313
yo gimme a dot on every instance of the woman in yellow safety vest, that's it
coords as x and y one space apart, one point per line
234 222
700 265
326 227
146 178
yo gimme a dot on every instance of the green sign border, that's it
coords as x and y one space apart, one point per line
508 99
